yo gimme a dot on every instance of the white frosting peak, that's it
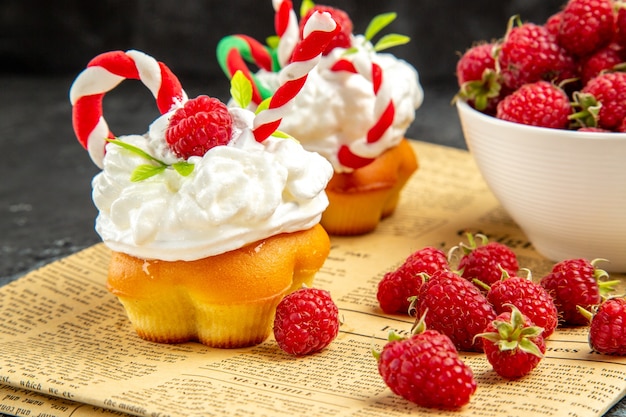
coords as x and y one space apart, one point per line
237 194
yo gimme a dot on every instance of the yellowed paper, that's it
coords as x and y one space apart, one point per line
67 348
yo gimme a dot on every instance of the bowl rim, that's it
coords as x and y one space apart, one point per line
464 107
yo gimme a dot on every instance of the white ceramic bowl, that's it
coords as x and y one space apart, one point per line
565 189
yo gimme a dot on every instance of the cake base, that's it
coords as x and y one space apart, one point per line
360 199
224 301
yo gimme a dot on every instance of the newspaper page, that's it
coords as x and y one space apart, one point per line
67 348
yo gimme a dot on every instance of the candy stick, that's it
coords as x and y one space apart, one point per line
318 32
232 54
105 72
384 108
287 29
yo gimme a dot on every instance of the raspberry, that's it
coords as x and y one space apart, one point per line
477 77
514 346
456 308
529 297
538 104
601 60
201 124
343 38
607 329
575 282
487 261
530 53
396 287
306 321
608 90
426 370
553 23
586 26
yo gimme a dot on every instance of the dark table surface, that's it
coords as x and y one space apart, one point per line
46 210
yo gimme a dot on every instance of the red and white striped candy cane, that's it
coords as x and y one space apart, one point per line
384 108
105 72
287 28
318 32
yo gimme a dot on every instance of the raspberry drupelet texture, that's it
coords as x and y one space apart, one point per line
306 321
529 297
607 330
426 370
540 104
201 124
456 308
572 283
396 287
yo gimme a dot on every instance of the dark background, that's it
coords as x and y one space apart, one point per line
44 37
45 202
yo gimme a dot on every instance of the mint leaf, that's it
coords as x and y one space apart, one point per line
264 105
305 7
391 40
183 168
241 89
281 135
145 171
134 150
378 23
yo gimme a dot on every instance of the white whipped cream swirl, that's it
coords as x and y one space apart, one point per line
336 108
236 195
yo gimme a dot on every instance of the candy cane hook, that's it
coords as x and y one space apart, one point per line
105 72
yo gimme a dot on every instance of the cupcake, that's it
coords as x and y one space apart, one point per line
354 109
210 218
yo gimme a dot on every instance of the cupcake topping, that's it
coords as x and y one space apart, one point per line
206 178
355 104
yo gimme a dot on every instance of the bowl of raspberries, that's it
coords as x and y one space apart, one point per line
543 112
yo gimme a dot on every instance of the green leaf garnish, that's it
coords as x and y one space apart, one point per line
272 41
391 40
305 7
145 171
184 168
378 23
281 135
264 105
241 89
135 150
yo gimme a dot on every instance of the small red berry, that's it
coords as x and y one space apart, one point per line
530 53
607 329
529 297
426 370
540 104
343 38
306 321
586 26
201 124
456 308
608 90
477 77
573 283
396 287
604 59
514 346
553 23
486 261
